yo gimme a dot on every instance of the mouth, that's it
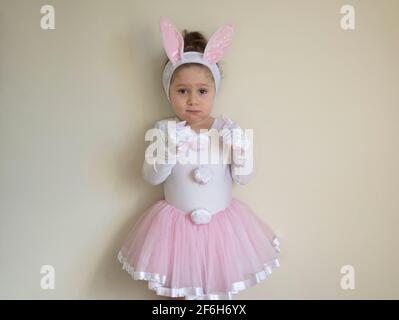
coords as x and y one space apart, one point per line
194 111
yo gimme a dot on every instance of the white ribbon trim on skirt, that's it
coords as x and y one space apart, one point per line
156 281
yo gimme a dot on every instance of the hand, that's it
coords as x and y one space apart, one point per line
182 134
176 139
234 137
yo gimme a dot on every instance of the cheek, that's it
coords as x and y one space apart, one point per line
209 101
178 105
176 101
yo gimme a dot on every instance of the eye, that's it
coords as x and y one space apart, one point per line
180 90
203 91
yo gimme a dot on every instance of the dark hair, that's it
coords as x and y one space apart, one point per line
193 41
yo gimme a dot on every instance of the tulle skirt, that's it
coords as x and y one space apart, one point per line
179 258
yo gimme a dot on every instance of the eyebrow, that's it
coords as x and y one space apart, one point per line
186 85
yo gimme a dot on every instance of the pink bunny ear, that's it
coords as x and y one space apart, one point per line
218 43
172 40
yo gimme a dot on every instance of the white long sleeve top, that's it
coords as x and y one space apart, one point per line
181 189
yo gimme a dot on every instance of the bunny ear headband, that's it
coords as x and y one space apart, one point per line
173 43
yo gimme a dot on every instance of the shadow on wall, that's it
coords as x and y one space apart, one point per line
109 280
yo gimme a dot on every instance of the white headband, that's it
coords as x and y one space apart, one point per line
214 51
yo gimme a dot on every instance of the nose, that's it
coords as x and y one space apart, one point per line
192 99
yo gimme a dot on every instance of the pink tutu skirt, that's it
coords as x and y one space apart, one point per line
179 258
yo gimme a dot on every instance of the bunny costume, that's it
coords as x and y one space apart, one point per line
199 242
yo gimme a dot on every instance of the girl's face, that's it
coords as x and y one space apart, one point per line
192 93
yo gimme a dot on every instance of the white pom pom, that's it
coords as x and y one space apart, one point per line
201 216
202 175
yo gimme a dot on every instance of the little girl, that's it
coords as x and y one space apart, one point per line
199 242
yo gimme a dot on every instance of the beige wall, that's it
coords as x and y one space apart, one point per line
323 102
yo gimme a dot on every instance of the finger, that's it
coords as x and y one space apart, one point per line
226 119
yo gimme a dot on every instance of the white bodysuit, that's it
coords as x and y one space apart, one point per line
182 191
